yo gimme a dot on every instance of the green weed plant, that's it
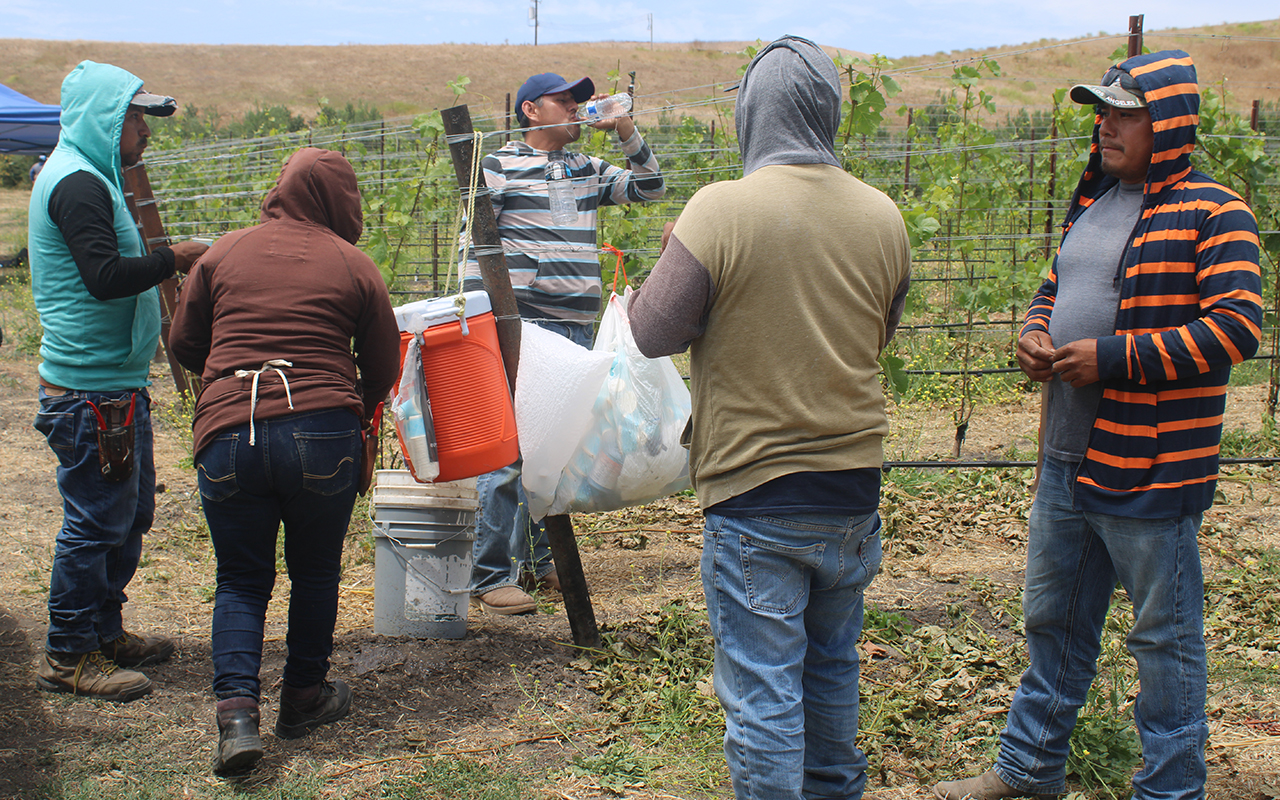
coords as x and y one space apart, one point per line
656 673
18 316
452 778
1105 750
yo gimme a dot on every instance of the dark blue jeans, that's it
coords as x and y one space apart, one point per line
301 471
97 549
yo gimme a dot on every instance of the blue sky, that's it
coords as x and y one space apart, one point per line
896 28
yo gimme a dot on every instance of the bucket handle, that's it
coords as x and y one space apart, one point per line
386 532
420 573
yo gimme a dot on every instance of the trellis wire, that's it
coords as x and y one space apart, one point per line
222 183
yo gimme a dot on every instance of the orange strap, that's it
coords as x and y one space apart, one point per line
618 269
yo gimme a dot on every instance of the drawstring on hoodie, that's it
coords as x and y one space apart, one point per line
274 365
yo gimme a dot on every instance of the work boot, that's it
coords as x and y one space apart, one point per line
547 583
132 650
91 675
506 600
987 786
302 710
239 743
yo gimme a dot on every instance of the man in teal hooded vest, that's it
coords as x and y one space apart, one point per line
95 288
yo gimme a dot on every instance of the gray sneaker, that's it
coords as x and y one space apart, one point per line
90 675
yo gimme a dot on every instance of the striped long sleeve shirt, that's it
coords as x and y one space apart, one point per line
555 270
1190 308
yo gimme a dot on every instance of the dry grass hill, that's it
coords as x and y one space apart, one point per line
406 79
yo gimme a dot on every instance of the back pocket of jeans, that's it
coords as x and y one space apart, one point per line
773 574
216 468
329 460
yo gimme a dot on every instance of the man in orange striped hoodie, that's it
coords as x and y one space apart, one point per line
1153 296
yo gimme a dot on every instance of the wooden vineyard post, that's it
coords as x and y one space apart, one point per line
1273 373
906 162
485 242
1135 35
1051 187
142 204
483 228
435 256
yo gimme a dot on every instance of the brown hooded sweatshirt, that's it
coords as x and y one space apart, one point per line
294 288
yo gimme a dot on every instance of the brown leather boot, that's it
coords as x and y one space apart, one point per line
505 600
987 786
132 650
239 742
304 710
92 675
546 583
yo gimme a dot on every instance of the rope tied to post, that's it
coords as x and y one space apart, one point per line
466 209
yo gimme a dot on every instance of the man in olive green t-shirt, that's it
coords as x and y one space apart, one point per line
785 286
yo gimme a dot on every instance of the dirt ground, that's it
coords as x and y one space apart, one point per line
498 693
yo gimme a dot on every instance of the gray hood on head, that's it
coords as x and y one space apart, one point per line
788 107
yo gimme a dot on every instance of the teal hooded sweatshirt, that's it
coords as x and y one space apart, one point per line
90 344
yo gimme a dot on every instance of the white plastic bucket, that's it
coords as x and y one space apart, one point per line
422 557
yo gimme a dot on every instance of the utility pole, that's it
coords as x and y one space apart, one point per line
650 30
533 20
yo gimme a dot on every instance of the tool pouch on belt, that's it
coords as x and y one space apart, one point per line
115 437
370 439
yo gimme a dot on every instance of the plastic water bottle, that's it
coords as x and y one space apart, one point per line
564 204
605 108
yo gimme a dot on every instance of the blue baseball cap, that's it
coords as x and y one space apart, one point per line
551 83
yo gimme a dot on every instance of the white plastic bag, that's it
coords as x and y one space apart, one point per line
556 386
629 452
411 410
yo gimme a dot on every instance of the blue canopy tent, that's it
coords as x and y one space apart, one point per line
27 127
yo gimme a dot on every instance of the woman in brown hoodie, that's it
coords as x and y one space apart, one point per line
269 318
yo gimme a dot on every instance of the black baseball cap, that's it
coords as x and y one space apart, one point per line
551 83
1118 88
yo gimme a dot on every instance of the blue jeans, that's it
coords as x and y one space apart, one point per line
508 541
97 549
301 471
785 600
1074 559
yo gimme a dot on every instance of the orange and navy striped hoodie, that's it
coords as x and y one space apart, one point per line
1190 307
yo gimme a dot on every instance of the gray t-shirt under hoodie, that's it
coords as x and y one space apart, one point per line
1089 274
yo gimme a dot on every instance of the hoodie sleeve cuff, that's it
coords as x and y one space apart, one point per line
1113 362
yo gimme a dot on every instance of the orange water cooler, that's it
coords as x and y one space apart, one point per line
471 409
